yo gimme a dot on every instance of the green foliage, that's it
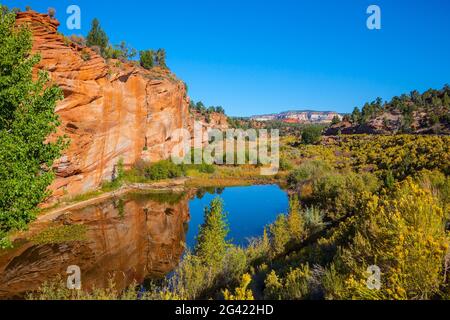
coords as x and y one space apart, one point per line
279 235
160 58
312 134
433 103
294 286
61 234
211 243
27 119
400 155
150 58
164 169
121 52
146 59
335 120
56 289
200 108
97 37
403 233
235 263
356 116
314 219
203 168
340 194
295 221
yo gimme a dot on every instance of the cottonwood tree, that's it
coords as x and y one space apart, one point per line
27 119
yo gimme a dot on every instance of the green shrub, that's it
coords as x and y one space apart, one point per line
309 170
235 264
314 219
312 134
206 168
340 194
403 233
61 234
164 169
294 286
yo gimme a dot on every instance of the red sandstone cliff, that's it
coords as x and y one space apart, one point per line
111 110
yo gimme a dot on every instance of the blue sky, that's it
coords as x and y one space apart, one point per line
256 56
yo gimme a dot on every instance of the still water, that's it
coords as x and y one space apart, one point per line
249 210
134 238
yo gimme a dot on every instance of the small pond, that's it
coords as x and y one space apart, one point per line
249 210
132 238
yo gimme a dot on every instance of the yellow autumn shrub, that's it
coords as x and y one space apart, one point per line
403 234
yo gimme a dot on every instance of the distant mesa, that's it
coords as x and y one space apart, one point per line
301 116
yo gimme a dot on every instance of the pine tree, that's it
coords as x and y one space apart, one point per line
97 37
211 243
356 116
27 118
161 58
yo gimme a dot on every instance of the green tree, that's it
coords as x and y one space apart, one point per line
27 119
356 116
446 100
311 134
211 243
126 52
97 37
160 58
220 109
335 120
146 59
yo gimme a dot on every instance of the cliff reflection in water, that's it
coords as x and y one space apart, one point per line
129 239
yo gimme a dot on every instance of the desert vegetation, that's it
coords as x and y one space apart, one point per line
351 208
426 112
356 201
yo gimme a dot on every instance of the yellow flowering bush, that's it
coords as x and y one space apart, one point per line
404 235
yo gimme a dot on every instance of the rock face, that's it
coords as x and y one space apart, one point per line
111 110
390 123
127 240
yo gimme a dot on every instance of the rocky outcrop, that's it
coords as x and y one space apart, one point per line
208 121
390 123
111 110
127 240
